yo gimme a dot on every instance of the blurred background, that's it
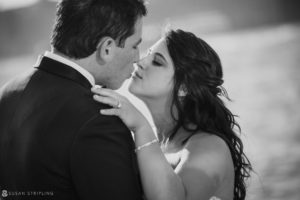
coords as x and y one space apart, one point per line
259 44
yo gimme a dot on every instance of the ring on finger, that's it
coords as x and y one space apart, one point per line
119 105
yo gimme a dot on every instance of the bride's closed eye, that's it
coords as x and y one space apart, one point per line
156 63
159 60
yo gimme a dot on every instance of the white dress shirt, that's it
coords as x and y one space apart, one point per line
63 60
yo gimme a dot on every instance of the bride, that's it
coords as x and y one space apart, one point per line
196 154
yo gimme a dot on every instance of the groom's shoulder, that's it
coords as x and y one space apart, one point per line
80 103
86 111
17 84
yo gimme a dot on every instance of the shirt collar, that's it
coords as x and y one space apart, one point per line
75 66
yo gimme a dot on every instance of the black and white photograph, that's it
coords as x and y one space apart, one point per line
149 100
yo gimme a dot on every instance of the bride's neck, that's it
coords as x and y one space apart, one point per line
161 114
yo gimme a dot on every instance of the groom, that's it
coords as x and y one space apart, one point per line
54 144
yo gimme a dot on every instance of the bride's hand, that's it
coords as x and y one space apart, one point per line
122 108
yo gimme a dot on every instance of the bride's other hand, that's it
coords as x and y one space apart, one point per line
121 107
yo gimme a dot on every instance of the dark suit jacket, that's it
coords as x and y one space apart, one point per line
54 144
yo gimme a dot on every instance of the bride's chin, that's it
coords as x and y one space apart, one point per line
136 91
132 88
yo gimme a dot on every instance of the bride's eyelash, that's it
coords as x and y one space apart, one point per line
156 63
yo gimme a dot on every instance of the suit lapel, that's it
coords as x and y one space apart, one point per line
59 69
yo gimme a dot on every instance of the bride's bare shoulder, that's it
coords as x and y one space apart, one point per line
206 167
209 153
206 142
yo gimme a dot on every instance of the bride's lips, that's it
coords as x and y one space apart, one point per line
136 73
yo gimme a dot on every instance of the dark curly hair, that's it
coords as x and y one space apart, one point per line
198 71
80 24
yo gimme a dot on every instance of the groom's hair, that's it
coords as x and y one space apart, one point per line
80 24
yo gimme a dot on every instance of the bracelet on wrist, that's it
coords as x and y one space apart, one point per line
145 145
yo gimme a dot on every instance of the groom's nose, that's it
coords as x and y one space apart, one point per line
137 57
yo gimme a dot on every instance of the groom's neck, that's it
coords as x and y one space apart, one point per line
79 62
82 62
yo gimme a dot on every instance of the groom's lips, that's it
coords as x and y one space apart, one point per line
138 75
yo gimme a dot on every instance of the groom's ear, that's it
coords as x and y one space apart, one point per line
105 50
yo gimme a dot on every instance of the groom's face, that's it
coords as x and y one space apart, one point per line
121 67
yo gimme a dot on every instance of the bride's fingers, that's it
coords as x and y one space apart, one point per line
106 100
96 89
105 92
99 91
115 112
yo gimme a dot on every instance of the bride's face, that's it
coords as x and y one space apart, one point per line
153 77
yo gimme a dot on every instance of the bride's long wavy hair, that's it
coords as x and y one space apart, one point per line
198 75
